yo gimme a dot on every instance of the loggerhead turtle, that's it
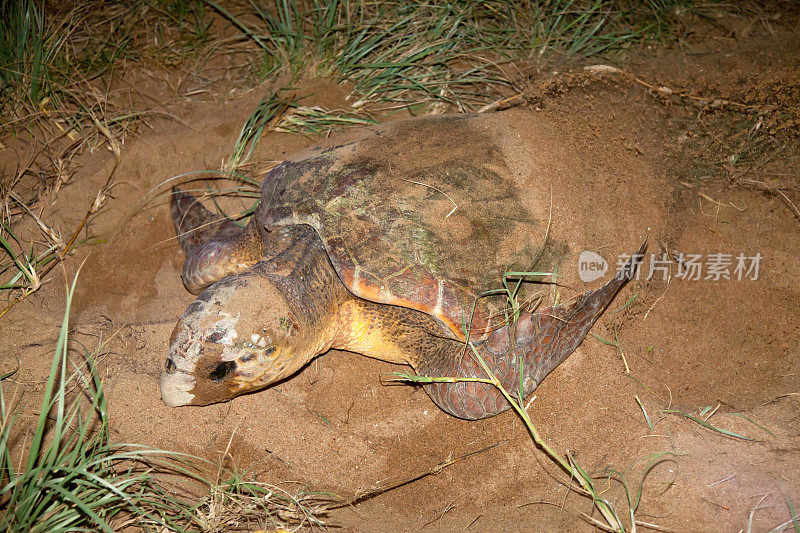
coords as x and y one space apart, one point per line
352 247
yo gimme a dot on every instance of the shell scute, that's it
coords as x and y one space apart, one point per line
425 214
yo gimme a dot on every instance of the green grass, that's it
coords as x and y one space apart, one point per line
51 54
71 476
47 65
634 500
191 19
586 484
319 120
794 521
577 473
21 268
453 53
25 52
285 114
267 112
58 61
706 424
424 55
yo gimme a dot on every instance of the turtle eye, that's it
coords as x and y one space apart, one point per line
222 371
215 336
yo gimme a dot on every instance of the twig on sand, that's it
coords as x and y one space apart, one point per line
368 495
772 190
667 91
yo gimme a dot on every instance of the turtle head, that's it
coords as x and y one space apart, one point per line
240 334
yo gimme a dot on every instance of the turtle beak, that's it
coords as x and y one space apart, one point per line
212 385
175 386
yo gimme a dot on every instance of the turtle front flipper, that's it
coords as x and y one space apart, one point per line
215 247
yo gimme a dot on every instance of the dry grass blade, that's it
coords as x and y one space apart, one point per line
319 120
28 269
772 189
753 512
654 527
238 505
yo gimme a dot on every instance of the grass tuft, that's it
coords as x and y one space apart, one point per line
426 56
285 114
267 112
57 64
238 502
319 120
73 476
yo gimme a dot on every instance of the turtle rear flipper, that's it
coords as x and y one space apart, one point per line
553 333
215 246
542 341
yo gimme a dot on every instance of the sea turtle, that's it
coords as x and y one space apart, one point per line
358 247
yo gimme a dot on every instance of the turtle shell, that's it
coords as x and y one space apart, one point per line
423 213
